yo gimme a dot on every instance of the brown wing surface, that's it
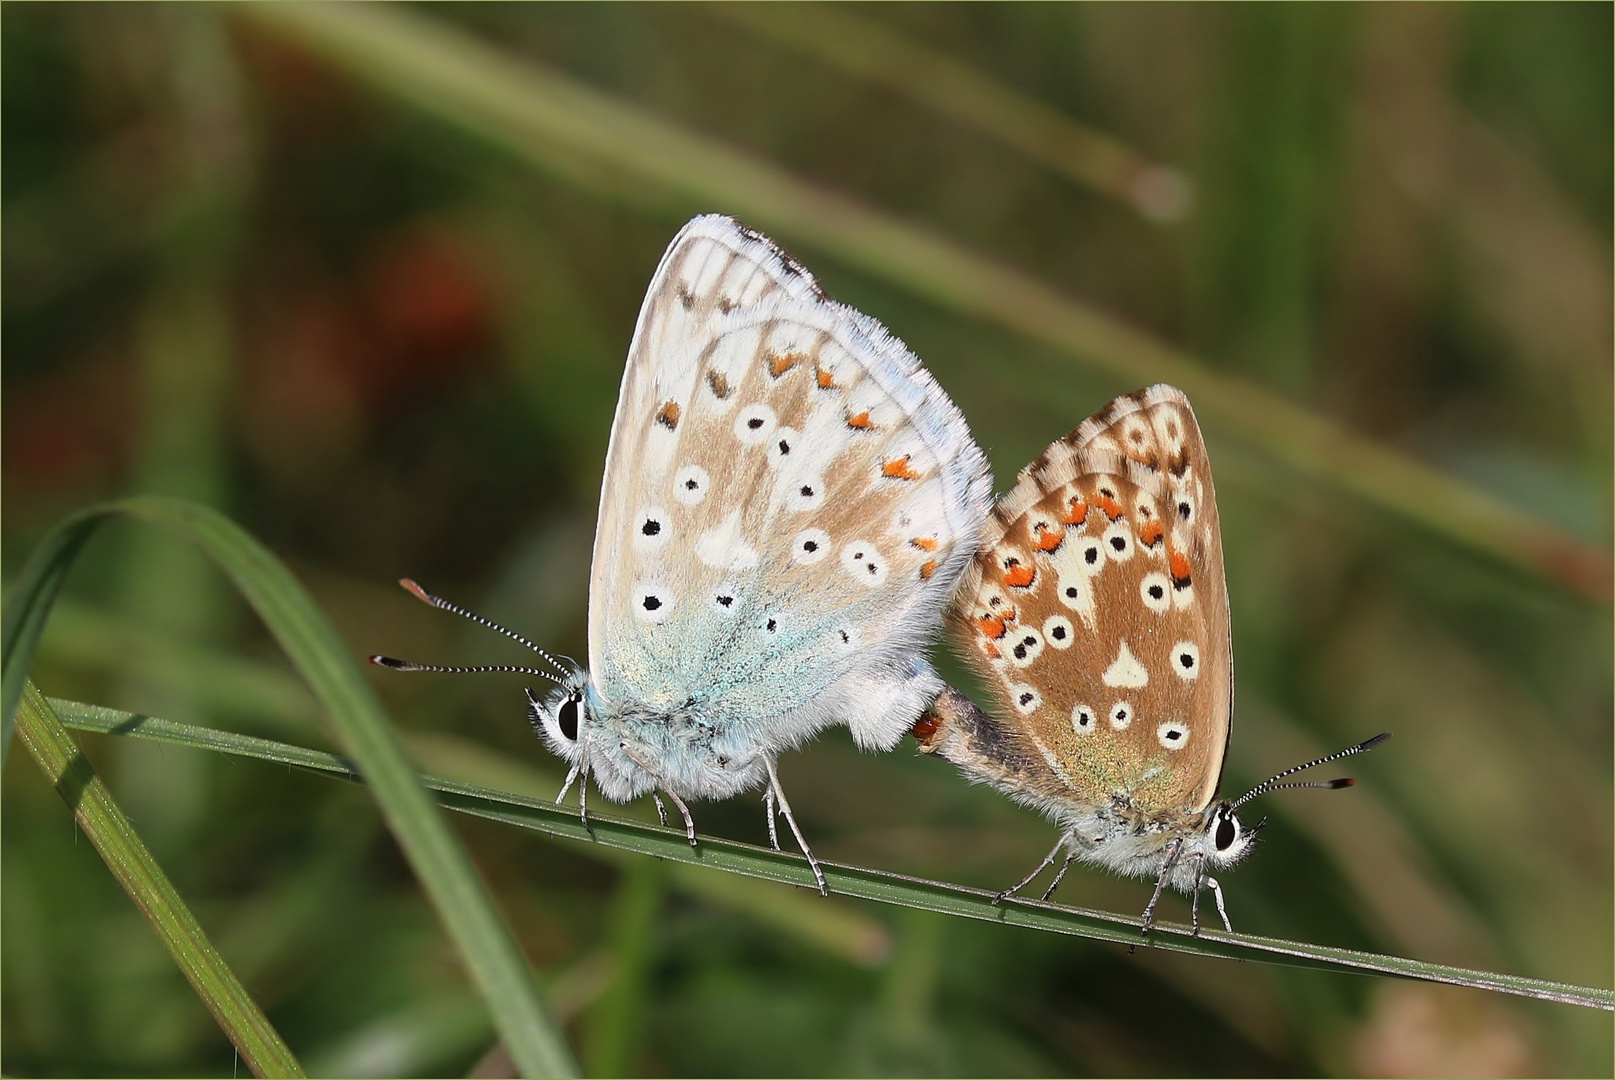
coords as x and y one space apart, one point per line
1097 611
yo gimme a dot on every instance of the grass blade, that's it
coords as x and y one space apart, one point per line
434 853
556 122
970 98
896 889
98 814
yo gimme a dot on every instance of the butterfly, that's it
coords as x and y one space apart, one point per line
789 500
1096 611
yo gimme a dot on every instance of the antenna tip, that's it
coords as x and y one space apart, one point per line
389 662
1344 781
415 590
1375 741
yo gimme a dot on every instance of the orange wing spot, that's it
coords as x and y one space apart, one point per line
991 650
927 570
898 469
861 422
924 728
1078 514
668 415
1178 563
1019 577
1049 539
827 381
924 543
1150 534
992 626
1111 507
779 365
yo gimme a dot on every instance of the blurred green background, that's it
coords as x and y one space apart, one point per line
388 342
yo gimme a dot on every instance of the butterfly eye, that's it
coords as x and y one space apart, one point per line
566 718
1227 832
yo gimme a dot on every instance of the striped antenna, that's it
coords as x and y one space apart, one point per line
1272 782
438 602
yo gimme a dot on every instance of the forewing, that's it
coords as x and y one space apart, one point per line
1097 609
788 497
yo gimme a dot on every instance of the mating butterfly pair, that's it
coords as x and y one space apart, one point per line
792 506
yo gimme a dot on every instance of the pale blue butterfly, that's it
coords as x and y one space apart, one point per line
789 499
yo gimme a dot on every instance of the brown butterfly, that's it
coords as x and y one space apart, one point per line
1097 612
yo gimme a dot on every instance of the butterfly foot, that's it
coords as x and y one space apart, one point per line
998 898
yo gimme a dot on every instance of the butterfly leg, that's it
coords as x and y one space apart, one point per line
790 819
768 806
1200 880
1160 885
583 797
571 775
1222 909
1060 875
661 810
689 822
1048 861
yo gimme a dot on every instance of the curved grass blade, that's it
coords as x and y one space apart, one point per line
970 97
560 124
896 889
98 814
434 853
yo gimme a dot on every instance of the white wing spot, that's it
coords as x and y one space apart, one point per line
809 546
846 639
1173 735
1156 592
865 563
1026 698
725 599
1025 645
652 528
755 423
1121 714
782 445
1083 720
722 548
1118 542
1090 556
691 484
1125 670
1058 632
806 493
652 603
1186 660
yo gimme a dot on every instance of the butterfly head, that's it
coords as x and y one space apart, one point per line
1226 840
564 718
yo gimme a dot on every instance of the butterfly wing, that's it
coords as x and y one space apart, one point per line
789 499
1097 612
